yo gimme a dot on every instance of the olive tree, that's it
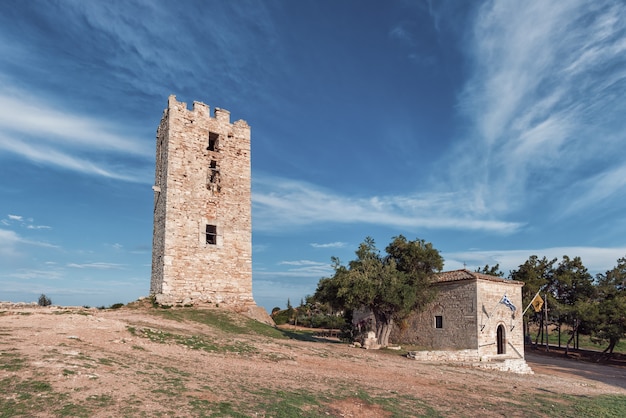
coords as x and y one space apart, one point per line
391 286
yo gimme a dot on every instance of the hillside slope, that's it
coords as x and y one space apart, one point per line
143 361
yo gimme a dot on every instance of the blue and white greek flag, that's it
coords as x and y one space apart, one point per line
508 303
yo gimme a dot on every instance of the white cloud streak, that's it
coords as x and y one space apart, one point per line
42 134
96 266
32 117
10 240
544 103
596 259
28 223
51 156
288 203
337 244
298 269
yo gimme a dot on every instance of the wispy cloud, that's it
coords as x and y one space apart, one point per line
10 240
596 190
305 268
296 269
402 33
35 274
544 104
405 33
299 263
22 222
38 227
336 244
280 202
596 259
32 117
41 133
96 266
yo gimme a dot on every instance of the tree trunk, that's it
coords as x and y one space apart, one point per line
383 328
539 332
571 338
608 352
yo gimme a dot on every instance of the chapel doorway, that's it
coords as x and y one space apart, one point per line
500 339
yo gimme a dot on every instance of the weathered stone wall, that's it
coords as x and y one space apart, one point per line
194 187
493 314
160 203
471 358
456 304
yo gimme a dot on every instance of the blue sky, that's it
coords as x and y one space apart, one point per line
494 130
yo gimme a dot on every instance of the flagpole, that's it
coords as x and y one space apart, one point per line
531 301
545 310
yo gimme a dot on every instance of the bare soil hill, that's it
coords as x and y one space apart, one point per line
145 361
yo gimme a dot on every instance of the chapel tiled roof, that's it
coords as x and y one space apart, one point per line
463 274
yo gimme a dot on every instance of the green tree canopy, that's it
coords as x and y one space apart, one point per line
610 323
535 273
491 271
391 286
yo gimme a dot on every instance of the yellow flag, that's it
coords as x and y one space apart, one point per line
537 302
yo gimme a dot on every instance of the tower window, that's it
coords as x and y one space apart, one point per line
213 137
438 321
213 179
211 234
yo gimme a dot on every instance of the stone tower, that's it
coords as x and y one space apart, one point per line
202 237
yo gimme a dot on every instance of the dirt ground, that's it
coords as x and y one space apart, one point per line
98 359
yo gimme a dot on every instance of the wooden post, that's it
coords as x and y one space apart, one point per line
545 305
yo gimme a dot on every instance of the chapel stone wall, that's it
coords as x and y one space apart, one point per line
494 314
455 308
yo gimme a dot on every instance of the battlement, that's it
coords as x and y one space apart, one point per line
200 109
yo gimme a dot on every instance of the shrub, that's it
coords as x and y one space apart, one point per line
44 300
281 317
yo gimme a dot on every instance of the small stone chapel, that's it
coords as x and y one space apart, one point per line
476 318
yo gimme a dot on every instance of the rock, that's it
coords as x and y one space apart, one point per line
371 343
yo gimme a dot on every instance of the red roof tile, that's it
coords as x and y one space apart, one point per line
457 275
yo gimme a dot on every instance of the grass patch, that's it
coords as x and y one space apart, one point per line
106 361
11 361
171 387
100 401
196 342
32 397
222 320
63 312
293 404
558 405
585 342
214 318
603 406
307 404
32 386
73 410
204 408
